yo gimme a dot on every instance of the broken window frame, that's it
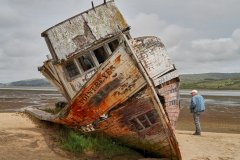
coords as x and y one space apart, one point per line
111 42
92 56
80 65
106 51
140 123
66 71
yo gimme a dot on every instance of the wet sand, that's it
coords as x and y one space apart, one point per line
222 115
14 100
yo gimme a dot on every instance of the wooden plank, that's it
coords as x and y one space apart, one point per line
153 55
77 83
169 89
165 78
83 30
114 82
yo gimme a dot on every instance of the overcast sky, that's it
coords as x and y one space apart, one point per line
201 36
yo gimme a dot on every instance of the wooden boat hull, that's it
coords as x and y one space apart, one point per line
165 78
118 101
129 92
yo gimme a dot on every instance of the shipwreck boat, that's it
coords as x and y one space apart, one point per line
127 88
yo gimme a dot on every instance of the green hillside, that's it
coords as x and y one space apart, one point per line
208 76
221 81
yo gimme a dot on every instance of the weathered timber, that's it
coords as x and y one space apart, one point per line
153 55
85 30
165 78
127 88
172 101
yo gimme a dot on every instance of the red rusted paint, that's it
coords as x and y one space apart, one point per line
100 95
117 60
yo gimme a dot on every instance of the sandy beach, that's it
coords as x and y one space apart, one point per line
208 146
21 139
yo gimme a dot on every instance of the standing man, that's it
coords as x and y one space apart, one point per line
197 107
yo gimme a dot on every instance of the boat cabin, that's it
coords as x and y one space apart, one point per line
80 44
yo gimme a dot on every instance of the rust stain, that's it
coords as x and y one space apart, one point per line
105 91
117 60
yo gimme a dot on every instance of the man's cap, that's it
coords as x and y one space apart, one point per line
193 91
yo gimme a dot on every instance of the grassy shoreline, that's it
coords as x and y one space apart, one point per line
78 144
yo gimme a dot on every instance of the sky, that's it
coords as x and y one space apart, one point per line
201 36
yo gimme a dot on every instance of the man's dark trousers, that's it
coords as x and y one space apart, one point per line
196 116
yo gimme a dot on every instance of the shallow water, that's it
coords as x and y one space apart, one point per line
212 93
225 106
222 114
29 88
14 100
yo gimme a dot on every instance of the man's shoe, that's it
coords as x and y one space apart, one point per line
199 134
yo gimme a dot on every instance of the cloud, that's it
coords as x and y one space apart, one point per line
151 25
189 51
236 35
145 25
10 18
199 36
21 52
207 55
218 18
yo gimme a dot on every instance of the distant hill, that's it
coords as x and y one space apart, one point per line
221 81
208 76
30 82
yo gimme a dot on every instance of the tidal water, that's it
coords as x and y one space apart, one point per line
217 103
29 88
212 93
15 98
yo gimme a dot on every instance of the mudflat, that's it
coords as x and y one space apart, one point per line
222 114
14 100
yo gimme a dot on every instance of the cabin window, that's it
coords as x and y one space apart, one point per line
136 124
145 121
71 69
152 116
86 62
113 45
100 54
